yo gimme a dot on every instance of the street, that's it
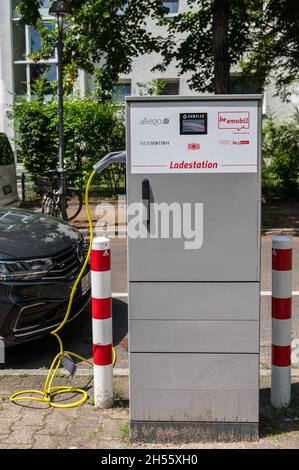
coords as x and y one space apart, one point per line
77 335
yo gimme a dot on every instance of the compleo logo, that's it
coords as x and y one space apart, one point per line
153 122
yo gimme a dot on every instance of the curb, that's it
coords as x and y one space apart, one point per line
267 372
280 231
117 372
122 233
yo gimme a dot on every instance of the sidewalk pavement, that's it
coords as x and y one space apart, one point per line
36 426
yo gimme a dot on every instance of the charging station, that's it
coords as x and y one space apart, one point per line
194 285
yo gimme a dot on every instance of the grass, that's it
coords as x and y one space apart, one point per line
125 431
90 401
94 434
62 375
278 421
278 220
117 393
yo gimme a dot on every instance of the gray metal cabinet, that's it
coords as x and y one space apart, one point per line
194 313
230 243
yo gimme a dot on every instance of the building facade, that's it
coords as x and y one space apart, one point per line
18 73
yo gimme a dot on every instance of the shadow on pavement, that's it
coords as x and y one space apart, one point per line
76 336
278 421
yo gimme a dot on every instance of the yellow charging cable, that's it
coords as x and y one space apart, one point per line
49 392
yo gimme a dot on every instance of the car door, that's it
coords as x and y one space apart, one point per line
8 179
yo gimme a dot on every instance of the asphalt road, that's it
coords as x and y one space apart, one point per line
77 335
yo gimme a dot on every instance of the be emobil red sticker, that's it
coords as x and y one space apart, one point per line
234 120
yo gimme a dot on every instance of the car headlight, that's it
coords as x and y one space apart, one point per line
24 269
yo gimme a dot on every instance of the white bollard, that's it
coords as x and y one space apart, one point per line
281 321
100 261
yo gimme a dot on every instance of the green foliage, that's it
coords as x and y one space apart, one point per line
41 86
153 87
103 37
194 53
29 10
100 35
281 154
275 46
91 131
125 431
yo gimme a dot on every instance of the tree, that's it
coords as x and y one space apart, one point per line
257 36
103 36
275 46
213 36
220 23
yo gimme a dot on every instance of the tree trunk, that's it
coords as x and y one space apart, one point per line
221 10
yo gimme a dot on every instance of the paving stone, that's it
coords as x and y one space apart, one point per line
47 442
82 421
10 413
14 446
85 427
19 435
57 426
35 419
113 428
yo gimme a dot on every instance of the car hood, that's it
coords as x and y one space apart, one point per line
26 234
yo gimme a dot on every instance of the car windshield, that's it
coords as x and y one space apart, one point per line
6 153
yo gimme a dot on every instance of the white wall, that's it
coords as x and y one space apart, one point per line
6 69
142 66
282 110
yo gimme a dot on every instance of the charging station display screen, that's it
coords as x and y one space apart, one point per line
193 123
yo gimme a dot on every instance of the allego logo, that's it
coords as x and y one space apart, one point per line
153 121
234 120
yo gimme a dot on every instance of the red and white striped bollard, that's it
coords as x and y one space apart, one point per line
281 321
100 263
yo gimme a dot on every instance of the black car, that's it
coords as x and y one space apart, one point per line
40 258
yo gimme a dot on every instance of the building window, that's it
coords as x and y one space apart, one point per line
26 40
19 41
35 39
244 85
171 5
121 90
171 87
20 79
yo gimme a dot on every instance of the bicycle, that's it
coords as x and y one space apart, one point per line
51 199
